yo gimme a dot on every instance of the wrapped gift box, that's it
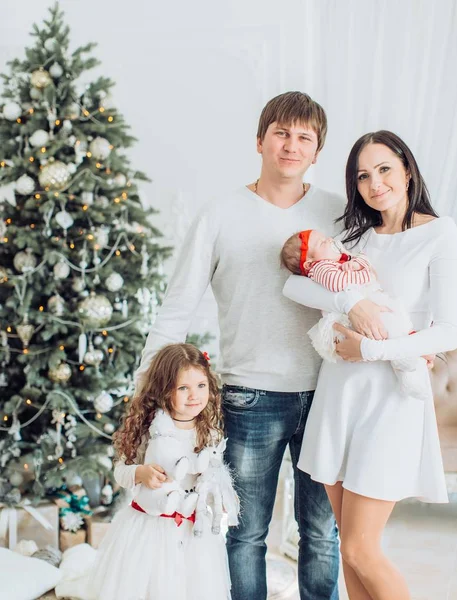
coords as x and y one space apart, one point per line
68 539
41 524
97 526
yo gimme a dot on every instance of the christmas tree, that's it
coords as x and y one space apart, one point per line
80 270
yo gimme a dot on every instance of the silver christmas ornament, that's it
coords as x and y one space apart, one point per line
12 111
103 402
56 305
24 261
25 185
95 311
54 175
120 179
39 138
67 126
93 357
40 79
61 270
61 373
108 428
64 219
35 93
78 285
114 282
100 148
55 70
72 168
51 44
98 339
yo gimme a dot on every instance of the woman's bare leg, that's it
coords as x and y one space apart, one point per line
363 520
355 588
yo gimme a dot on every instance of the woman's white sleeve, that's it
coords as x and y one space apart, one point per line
309 293
125 475
442 335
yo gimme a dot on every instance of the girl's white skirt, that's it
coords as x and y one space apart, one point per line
151 558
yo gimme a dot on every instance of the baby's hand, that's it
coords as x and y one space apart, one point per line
349 266
152 476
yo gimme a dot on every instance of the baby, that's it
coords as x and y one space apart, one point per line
325 260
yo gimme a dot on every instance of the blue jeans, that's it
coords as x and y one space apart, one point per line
259 425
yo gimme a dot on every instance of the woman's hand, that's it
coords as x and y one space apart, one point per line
349 348
152 476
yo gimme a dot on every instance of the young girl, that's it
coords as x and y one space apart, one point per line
150 551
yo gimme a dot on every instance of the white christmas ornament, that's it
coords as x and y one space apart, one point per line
61 270
16 478
106 101
78 285
114 282
72 168
55 70
39 138
56 305
103 402
54 175
35 93
25 185
120 179
12 111
64 219
107 494
102 201
93 357
51 44
108 428
73 111
67 126
100 148
101 236
87 198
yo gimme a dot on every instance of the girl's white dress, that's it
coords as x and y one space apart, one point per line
360 429
144 557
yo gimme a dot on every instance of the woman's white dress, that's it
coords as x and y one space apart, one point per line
360 429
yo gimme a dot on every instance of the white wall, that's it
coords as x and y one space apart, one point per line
192 78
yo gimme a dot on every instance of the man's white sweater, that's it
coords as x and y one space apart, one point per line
234 246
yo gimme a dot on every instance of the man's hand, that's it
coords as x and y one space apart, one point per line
365 318
152 476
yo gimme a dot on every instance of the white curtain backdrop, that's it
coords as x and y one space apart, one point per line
387 64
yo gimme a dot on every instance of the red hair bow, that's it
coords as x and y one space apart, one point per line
206 355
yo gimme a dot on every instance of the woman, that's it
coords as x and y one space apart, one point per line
367 443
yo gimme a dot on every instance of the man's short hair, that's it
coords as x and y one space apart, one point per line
294 107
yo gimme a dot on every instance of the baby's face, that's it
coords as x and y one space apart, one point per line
321 246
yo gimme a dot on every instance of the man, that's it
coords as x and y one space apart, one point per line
268 366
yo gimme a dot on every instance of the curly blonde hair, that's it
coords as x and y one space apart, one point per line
157 392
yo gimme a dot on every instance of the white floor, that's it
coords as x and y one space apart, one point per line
420 539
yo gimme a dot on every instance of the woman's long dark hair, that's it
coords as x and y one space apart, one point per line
358 217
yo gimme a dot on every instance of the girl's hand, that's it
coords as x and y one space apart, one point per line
349 348
152 476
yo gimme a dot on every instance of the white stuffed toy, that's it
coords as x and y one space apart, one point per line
177 460
215 488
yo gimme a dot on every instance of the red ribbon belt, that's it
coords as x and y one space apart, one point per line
176 516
